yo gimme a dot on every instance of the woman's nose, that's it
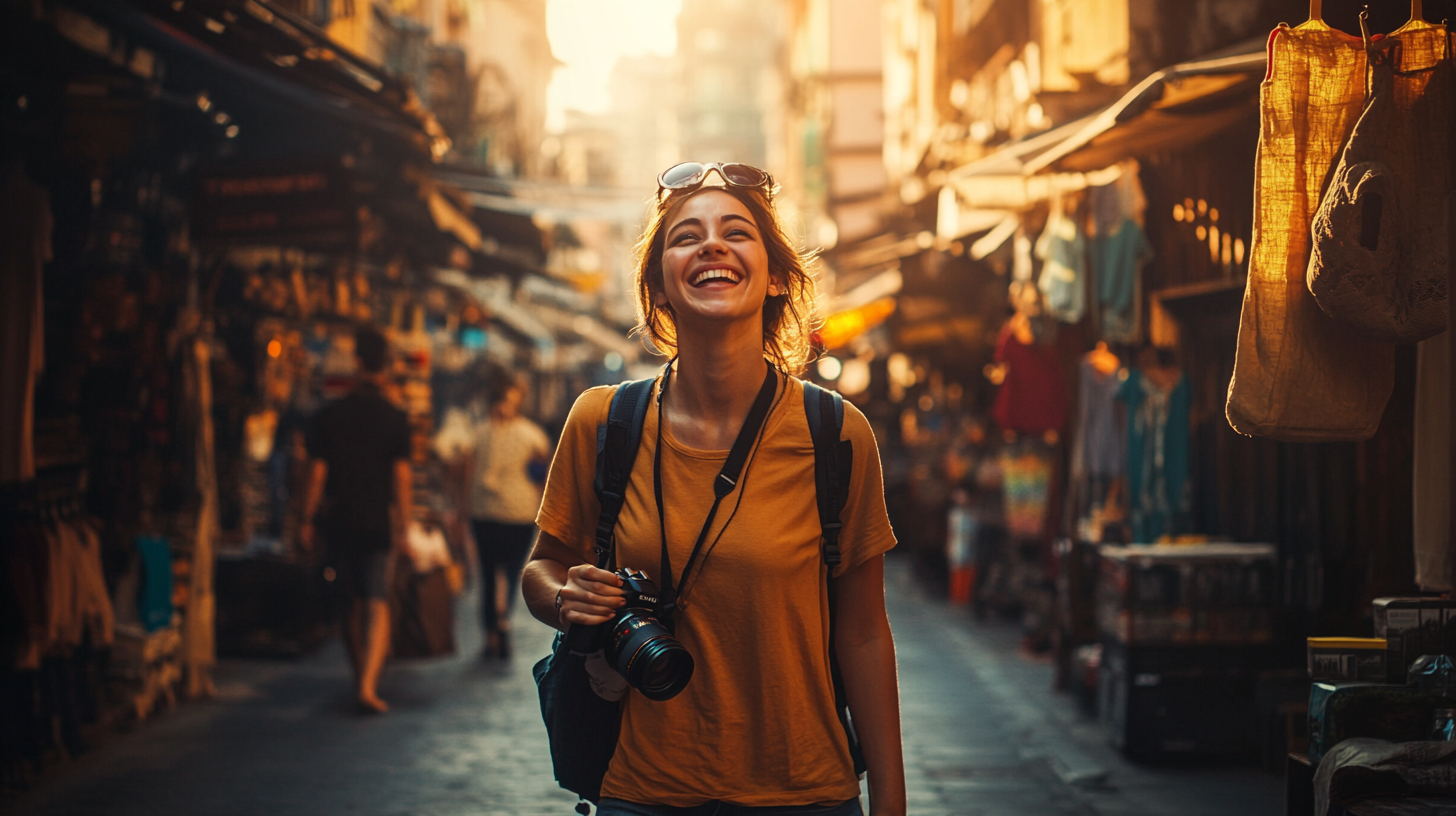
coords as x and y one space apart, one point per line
712 244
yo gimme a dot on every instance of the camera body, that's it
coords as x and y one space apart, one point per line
637 641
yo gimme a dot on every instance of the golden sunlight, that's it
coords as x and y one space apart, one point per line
589 36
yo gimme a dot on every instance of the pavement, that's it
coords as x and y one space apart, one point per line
984 736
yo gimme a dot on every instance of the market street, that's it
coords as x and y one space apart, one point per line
984 734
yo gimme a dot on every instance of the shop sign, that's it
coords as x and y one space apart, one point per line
292 206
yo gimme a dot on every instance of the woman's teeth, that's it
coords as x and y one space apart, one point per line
715 274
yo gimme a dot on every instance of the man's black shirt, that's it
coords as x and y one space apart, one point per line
360 436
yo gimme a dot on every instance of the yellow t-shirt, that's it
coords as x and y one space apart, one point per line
756 725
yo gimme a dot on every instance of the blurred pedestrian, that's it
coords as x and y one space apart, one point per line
962 529
720 285
509 455
360 478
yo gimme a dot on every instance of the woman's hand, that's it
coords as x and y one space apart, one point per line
589 596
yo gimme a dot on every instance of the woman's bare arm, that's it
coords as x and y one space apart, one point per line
866 652
588 595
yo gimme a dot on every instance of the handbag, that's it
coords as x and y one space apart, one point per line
1299 375
1379 256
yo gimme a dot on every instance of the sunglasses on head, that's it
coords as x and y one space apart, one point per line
691 175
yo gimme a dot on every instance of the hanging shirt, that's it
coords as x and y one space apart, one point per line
1157 455
1063 250
1116 259
1027 479
1032 398
1098 433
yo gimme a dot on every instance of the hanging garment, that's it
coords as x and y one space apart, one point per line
93 601
1117 259
154 595
1157 454
1379 253
25 248
1300 375
1063 250
1027 478
1431 485
1032 398
1100 441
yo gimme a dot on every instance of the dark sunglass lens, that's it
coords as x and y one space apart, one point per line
744 175
682 174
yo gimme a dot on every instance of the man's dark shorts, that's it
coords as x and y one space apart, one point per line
364 576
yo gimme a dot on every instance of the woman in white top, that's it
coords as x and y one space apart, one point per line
503 503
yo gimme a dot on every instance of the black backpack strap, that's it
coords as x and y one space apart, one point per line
833 462
617 443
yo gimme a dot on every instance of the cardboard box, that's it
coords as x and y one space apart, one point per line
1335 659
1413 627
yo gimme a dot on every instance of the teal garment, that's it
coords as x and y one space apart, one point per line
1157 456
1063 248
1115 259
154 598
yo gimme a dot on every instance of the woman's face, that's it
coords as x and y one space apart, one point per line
714 261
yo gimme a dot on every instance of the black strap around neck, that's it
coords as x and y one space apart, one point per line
726 480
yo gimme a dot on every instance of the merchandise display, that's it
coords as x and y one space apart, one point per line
1379 256
1299 375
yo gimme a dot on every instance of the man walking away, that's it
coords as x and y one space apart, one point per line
360 447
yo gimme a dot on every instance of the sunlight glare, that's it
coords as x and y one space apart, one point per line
589 36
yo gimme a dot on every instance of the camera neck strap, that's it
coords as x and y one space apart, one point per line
723 484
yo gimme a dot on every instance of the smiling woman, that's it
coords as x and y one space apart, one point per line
773 599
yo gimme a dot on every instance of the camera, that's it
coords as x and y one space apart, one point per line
637 643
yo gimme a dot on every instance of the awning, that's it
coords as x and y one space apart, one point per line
1172 109
293 75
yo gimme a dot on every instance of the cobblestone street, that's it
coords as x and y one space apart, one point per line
984 735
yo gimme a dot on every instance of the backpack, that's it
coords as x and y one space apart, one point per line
583 728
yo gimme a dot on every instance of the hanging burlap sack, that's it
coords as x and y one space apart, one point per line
1300 375
1379 257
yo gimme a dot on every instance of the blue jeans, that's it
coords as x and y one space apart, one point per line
617 807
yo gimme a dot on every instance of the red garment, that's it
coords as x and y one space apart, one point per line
1033 397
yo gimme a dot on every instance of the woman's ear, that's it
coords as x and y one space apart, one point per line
774 287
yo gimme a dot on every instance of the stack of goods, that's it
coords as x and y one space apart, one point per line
1388 687
1186 593
1186 631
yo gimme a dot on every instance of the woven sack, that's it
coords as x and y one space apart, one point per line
1299 375
1379 256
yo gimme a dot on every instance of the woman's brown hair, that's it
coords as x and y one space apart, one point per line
788 317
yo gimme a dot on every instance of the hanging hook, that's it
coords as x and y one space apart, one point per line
1365 26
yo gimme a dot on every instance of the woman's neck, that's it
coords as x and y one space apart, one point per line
713 385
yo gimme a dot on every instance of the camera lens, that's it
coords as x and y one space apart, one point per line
651 659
